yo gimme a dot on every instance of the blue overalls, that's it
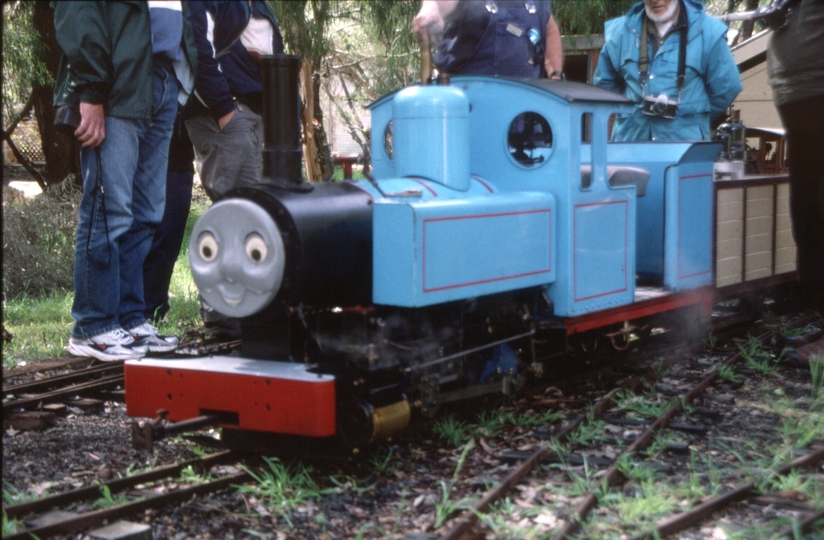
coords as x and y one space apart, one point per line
511 45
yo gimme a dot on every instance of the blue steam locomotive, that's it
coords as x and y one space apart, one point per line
498 225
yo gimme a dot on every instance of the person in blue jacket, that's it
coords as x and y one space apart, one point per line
224 116
672 60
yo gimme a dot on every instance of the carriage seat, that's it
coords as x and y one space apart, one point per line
620 175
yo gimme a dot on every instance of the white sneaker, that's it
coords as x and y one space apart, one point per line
146 335
109 346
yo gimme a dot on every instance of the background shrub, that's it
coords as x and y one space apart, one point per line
38 241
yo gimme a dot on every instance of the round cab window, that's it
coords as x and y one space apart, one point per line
529 139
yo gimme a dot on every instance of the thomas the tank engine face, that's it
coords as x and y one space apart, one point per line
237 259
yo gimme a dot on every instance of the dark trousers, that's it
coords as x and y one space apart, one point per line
803 121
168 238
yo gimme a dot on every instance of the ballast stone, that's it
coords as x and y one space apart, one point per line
123 530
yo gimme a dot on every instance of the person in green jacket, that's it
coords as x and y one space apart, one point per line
124 67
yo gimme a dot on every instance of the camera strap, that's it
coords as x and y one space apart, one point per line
643 60
97 190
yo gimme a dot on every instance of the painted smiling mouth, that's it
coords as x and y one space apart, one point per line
231 295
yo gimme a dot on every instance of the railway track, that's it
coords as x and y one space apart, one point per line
98 382
560 453
610 475
146 490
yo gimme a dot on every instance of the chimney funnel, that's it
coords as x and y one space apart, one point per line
281 121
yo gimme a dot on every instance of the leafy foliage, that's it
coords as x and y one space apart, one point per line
585 17
358 51
22 53
38 242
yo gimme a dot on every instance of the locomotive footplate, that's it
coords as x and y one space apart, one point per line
646 303
270 396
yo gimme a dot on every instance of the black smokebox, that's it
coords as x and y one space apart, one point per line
281 121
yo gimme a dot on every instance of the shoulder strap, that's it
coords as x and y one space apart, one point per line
643 60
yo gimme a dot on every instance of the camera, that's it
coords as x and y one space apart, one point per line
660 105
67 120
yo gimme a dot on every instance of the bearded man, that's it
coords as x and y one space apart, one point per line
672 60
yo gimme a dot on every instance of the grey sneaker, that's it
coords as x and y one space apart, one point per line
109 346
146 335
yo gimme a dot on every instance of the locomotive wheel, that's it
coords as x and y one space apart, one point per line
354 423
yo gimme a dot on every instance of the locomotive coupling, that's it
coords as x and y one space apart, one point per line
146 433
621 339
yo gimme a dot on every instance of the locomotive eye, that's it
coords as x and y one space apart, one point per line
255 248
207 246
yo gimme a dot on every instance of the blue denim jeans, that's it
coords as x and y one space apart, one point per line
124 191
160 262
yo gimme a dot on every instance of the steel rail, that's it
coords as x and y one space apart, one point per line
90 519
62 380
804 524
612 475
471 517
115 486
704 510
62 394
534 459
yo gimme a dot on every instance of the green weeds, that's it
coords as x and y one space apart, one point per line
383 464
529 419
817 374
756 357
12 495
586 431
799 430
282 488
445 507
188 475
10 526
108 500
644 405
532 523
646 503
451 430
729 373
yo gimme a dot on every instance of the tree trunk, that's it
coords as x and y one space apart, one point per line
62 152
747 27
321 142
310 152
